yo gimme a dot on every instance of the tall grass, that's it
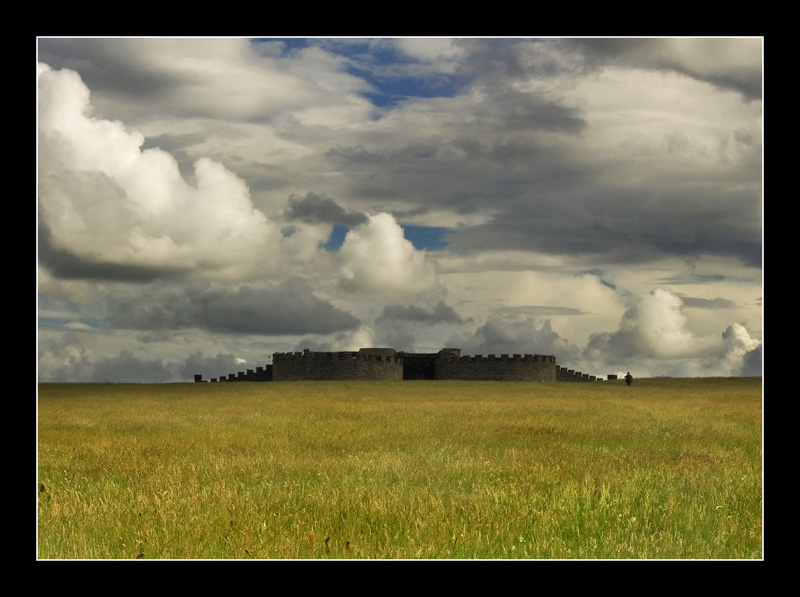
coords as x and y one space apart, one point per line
668 468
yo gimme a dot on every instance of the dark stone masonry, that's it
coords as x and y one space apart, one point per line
386 364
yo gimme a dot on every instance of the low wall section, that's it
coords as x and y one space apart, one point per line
260 374
564 374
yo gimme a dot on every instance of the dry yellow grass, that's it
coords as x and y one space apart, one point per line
669 468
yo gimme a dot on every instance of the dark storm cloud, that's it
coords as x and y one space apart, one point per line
318 209
486 175
548 231
661 54
622 225
66 265
753 365
750 252
109 67
512 110
504 59
638 244
288 308
440 313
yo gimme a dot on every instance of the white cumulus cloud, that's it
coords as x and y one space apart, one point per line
105 200
658 326
376 257
656 333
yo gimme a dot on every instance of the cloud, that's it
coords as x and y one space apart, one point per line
362 337
515 336
655 327
219 364
733 63
108 208
752 365
377 258
68 360
704 303
315 209
289 307
442 52
440 313
199 194
655 332
539 311
742 353
232 79
512 109
400 326
128 368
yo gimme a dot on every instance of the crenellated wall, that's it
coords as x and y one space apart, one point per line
260 374
367 365
497 368
564 374
384 364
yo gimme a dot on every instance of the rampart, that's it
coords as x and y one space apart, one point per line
385 364
366 364
497 368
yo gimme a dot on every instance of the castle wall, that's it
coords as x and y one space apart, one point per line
336 366
564 374
260 374
384 364
497 368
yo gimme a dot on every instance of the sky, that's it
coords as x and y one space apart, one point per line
206 202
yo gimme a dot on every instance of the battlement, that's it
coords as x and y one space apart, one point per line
386 364
564 374
260 374
361 355
533 358
503 367
366 364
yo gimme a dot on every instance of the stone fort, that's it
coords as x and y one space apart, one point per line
386 364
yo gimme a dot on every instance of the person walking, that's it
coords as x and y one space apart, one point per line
629 378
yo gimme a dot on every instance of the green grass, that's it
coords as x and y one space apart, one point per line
668 468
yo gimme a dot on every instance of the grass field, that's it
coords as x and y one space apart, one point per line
668 468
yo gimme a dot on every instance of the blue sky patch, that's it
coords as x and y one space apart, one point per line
336 238
368 61
429 238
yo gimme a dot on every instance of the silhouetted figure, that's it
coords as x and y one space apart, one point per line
629 378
